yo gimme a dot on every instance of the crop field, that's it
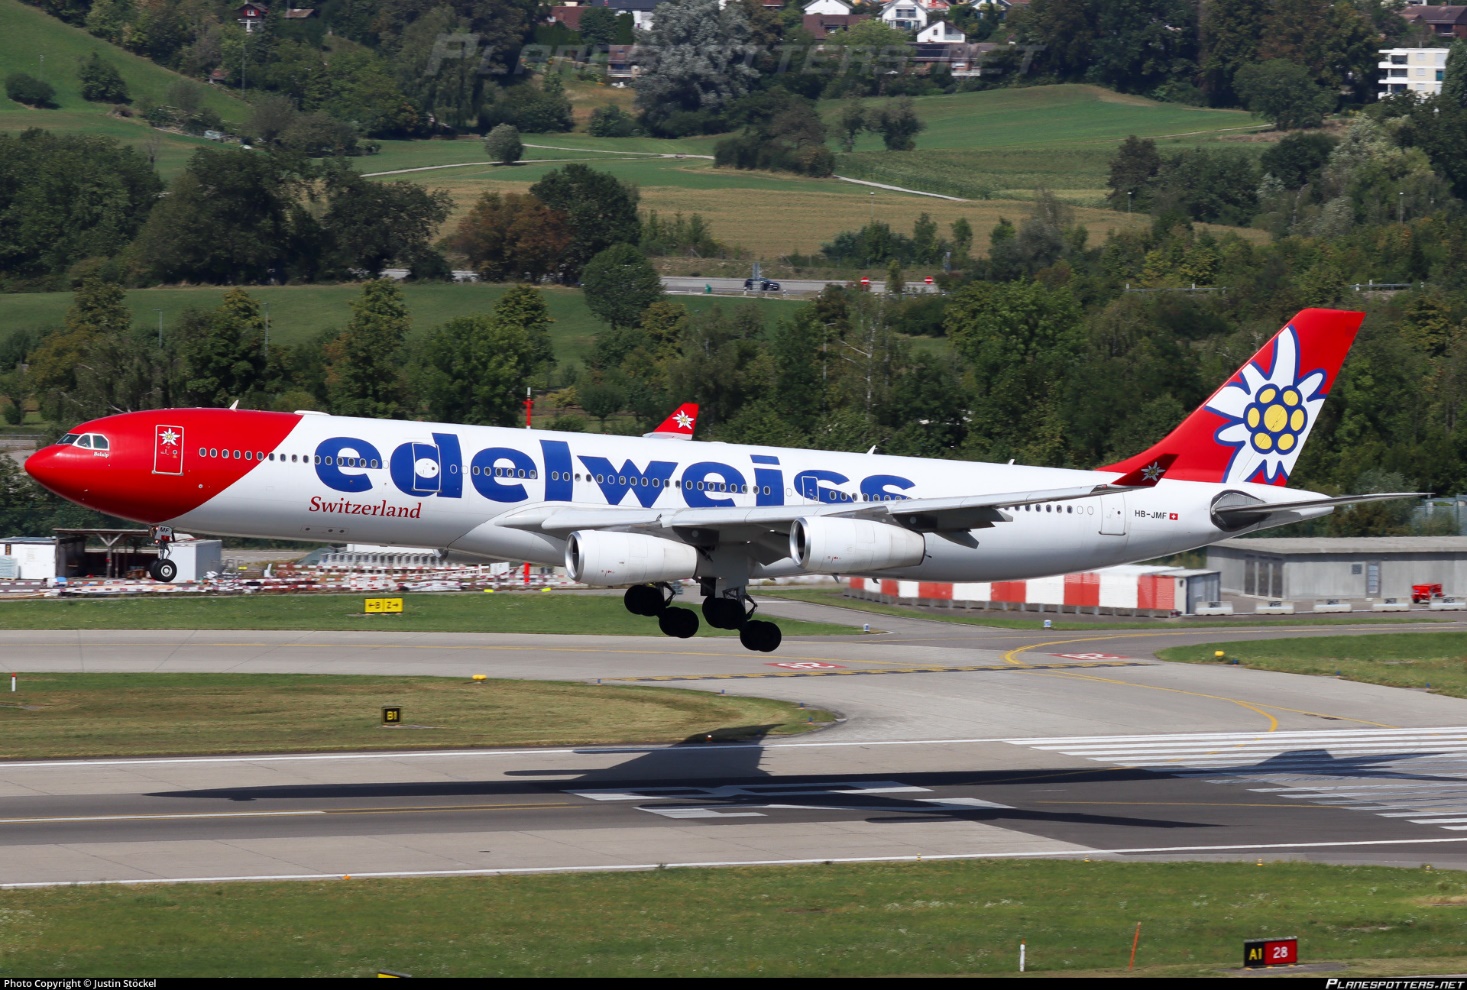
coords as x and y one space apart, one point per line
300 312
33 42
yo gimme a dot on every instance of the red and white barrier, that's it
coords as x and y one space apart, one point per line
1127 588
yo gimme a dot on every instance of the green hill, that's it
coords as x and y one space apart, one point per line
36 43
1007 142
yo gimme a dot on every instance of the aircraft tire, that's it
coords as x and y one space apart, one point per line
724 613
644 599
679 622
760 636
164 570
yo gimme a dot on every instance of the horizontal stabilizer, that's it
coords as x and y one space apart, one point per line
1245 514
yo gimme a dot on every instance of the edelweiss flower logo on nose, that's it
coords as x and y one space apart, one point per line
1269 414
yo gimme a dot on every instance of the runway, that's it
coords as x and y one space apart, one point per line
956 741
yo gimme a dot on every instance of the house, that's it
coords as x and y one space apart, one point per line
1411 70
1444 22
641 11
837 8
940 33
567 15
822 26
621 63
299 13
250 17
904 15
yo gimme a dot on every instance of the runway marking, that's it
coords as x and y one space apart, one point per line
1250 849
1415 774
762 674
592 750
158 818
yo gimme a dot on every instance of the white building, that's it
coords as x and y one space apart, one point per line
904 15
940 32
1412 70
835 7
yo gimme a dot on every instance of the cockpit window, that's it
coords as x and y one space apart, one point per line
85 441
99 442
68 439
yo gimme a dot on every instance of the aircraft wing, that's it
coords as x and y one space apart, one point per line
746 523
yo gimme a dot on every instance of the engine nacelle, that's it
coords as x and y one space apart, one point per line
593 557
853 546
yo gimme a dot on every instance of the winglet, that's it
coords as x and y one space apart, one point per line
1146 475
678 426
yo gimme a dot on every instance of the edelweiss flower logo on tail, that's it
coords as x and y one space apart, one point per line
1268 414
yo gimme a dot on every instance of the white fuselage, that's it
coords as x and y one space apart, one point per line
447 486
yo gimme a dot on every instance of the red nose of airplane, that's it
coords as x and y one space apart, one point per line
48 466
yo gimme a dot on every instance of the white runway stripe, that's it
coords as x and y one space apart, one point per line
1418 775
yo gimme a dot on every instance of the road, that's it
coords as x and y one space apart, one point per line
678 285
956 741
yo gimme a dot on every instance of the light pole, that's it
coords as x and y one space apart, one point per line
267 329
1129 194
872 201
160 328
1401 206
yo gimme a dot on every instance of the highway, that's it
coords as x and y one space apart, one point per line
956 741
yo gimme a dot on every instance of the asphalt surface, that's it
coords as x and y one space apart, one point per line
956 741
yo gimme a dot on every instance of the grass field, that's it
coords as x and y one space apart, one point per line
96 715
1435 661
565 613
1008 142
299 312
41 45
819 596
912 919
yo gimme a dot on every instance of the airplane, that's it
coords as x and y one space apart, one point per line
678 426
643 512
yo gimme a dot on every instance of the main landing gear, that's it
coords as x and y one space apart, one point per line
720 612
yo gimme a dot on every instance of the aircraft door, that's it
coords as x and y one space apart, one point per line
1113 515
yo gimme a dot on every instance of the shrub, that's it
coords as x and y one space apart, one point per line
29 90
612 121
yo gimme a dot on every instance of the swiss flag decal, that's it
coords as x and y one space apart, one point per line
168 450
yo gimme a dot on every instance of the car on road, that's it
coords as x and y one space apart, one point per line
762 284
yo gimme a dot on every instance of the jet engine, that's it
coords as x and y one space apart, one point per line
594 557
853 546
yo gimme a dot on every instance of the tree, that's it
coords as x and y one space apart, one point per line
1298 158
899 125
1131 171
611 121
228 218
1454 82
477 367
369 224
100 81
601 211
1284 93
363 376
598 26
503 144
64 198
852 122
29 90
513 235
895 284
962 239
620 283
1230 31
698 60
223 351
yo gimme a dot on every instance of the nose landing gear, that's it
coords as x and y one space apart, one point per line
162 569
